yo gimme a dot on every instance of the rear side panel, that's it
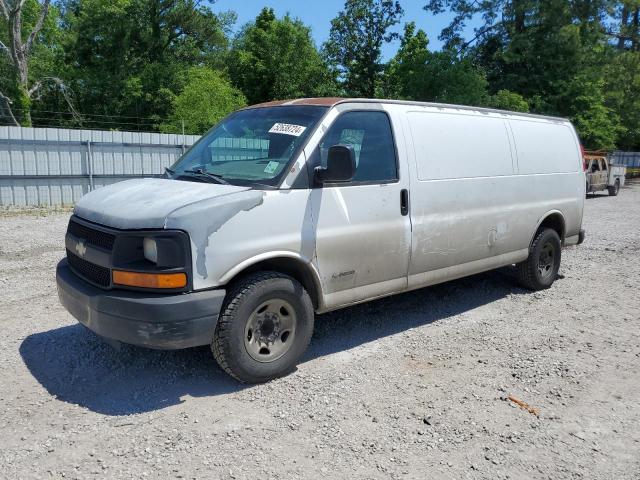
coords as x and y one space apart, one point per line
482 187
550 175
463 214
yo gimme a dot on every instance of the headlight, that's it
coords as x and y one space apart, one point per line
150 249
152 259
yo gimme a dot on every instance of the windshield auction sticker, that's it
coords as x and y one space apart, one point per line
287 129
271 167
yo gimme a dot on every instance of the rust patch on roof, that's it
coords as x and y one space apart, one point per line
321 101
331 101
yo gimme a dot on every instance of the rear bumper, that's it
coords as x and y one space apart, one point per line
151 320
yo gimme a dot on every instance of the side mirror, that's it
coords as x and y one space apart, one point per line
341 165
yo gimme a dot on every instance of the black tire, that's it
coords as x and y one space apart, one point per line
530 273
241 304
613 191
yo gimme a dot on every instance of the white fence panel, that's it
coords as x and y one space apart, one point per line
51 166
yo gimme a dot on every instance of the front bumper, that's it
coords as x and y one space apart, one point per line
151 320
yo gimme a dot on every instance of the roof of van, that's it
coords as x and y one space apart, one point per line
331 101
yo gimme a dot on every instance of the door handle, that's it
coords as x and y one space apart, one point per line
404 202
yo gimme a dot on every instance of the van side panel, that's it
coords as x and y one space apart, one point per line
545 147
550 172
484 183
462 206
455 146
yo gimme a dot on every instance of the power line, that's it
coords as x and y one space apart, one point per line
33 110
141 128
94 122
91 122
59 119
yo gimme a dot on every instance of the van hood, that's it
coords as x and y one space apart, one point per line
150 202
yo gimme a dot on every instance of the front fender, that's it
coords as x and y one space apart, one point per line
250 262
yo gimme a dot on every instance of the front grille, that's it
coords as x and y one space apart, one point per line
93 237
90 271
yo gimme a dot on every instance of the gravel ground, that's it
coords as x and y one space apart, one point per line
412 386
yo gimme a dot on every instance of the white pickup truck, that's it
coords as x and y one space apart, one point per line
601 174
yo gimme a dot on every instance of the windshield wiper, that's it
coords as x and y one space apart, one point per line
258 186
168 171
212 176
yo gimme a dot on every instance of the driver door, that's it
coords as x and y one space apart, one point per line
363 231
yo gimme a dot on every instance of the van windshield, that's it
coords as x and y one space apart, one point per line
249 147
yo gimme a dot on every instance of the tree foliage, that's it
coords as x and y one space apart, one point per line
416 73
28 43
554 53
128 57
622 95
205 99
277 59
355 43
152 64
508 100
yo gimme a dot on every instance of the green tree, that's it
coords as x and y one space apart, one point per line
355 43
598 125
626 28
205 99
552 53
405 73
276 59
126 58
622 87
29 51
507 100
416 73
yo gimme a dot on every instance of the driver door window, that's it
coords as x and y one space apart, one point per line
369 133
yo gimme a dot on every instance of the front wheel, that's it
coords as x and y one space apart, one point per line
264 327
540 269
613 191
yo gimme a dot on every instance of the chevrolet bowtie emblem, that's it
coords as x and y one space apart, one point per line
80 248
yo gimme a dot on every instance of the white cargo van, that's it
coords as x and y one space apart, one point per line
292 208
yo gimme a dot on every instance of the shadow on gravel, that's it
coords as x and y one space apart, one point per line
77 367
353 326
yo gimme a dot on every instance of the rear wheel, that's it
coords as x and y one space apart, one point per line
264 327
540 269
613 191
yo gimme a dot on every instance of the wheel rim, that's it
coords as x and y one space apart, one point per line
270 330
546 260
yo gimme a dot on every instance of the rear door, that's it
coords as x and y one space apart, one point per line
363 235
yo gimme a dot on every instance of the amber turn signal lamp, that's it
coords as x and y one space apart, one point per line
150 280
